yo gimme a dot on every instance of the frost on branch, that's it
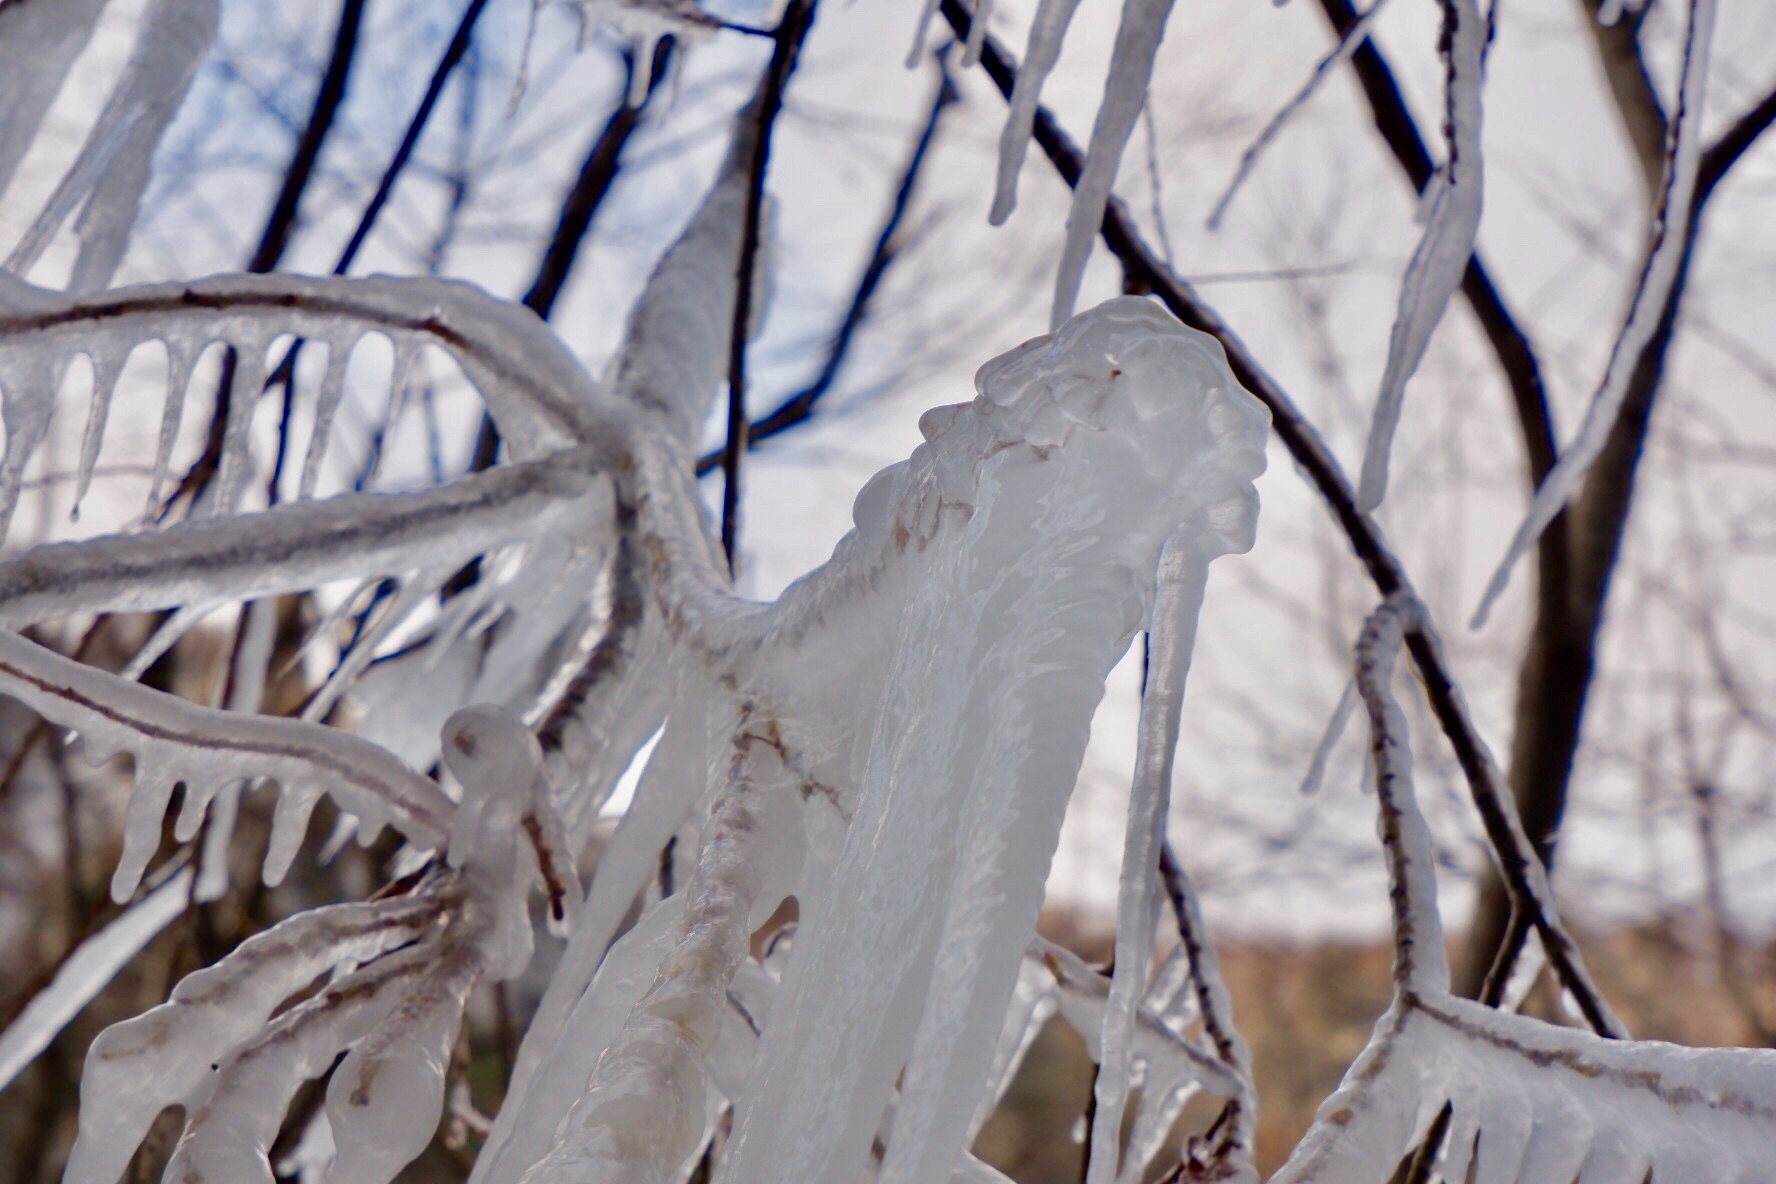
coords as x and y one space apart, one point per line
1531 1103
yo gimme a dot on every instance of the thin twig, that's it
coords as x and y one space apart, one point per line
799 407
798 18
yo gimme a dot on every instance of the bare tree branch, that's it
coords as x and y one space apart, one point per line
797 19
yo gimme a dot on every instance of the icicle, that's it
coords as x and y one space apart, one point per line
182 621
212 859
420 587
1048 30
332 387
659 1053
1353 37
1665 260
400 383
235 469
1435 272
179 363
106 367
87 971
28 385
1125 92
1322 756
921 34
1019 608
1183 576
535 1098
289 827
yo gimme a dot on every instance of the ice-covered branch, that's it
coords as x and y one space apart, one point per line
537 391
300 545
1454 197
1181 581
174 741
1668 248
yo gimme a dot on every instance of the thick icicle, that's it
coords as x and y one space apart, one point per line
1669 249
655 1064
1125 93
1013 604
567 1023
1442 256
1048 29
1183 576
296 546
327 398
87 971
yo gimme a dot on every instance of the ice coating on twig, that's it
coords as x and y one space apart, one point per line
988 542
1335 725
1347 45
1420 962
1666 256
1441 258
1531 1102
1125 93
297 545
107 178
